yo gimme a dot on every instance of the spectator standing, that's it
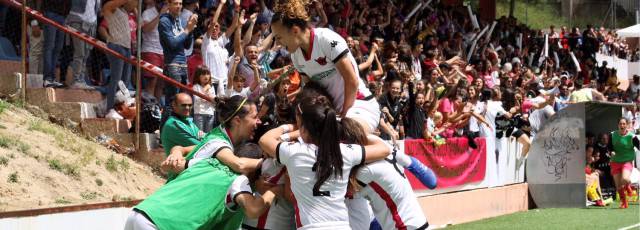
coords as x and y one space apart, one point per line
175 38
84 18
214 55
189 8
634 88
35 48
195 60
203 110
151 49
56 10
392 104
115 13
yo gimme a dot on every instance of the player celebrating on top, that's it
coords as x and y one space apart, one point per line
323 56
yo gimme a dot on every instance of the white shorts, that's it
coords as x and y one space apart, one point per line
367 111
360 212
137 221
336 225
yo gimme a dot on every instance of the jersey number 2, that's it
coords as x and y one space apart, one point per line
317 192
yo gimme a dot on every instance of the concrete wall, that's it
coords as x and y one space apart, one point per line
467 206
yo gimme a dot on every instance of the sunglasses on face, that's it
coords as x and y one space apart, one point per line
184 106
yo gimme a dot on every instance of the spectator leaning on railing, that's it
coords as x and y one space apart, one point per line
55 10
84 18
119 40
151 49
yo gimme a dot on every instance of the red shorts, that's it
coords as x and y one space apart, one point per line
154 59
617 168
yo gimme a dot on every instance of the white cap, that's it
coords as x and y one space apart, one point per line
34 22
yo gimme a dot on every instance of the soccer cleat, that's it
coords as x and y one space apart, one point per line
423 173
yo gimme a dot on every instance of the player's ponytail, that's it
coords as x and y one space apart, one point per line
325 135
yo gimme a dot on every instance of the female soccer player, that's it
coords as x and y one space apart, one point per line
387 188
622 144
319 168
324 57
209 194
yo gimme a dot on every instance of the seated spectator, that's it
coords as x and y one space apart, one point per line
594 192
124 108
179 129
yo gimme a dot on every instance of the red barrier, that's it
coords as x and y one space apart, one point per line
154 70
454 163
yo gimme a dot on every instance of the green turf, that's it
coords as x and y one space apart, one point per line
562 218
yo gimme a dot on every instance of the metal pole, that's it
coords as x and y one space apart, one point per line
614 13
571 13
23 46
138 75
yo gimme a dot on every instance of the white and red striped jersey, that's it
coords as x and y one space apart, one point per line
391 196
240 185
325 208
280 214
326 48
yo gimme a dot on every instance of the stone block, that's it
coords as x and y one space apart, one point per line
8 84
93 127
35 81
64 95
75 111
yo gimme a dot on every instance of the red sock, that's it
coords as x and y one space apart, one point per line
629 189
599 203
623 198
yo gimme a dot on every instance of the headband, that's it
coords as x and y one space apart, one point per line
234 112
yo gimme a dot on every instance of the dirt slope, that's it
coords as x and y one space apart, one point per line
43 165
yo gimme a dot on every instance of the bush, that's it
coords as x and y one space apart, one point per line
4 161
13 177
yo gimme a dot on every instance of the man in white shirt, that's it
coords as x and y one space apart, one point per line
416 64
214 54
189 8
151 49
84 18
35 48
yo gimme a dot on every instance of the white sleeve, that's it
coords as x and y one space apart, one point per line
239 186
147 16
353 154
364 175
333 45
284 150
273 171
209 149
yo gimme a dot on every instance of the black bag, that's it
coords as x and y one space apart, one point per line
150 114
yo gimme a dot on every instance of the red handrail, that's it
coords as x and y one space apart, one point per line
154 70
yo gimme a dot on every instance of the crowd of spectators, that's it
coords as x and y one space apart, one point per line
434 72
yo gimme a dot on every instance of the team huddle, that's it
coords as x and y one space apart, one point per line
327 171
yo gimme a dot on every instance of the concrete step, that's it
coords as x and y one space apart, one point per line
74 111
65 103
64 95
150 153
95 126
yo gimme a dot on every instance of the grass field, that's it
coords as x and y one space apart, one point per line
609 217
